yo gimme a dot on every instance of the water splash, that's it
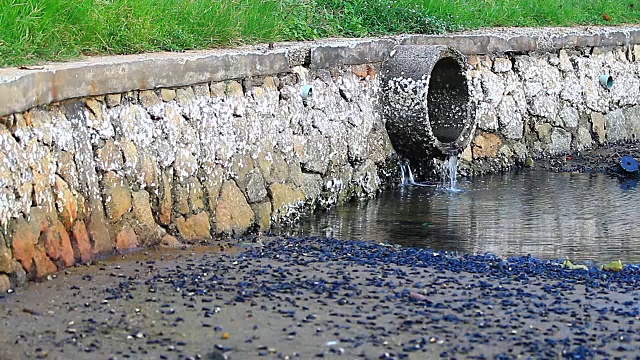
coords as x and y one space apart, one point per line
450 172
406 176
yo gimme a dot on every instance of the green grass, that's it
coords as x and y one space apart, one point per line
33 31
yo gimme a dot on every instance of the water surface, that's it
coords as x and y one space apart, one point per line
547 215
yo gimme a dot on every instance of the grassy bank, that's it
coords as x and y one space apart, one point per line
33 31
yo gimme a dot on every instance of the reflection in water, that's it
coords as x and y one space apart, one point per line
548 215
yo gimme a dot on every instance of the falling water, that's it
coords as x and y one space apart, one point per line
406 176
450 171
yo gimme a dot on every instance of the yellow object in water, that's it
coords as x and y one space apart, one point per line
612 266
567 264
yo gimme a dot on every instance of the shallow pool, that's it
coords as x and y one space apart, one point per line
547 215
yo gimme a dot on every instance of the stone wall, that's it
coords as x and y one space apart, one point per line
118 153
544 104
181 165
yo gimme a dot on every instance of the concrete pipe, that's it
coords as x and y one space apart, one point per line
426 102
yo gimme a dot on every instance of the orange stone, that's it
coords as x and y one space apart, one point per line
126 239
66 202
81 241
58 245
23 243
44 265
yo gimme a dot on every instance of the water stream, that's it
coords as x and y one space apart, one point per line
547 215
450 172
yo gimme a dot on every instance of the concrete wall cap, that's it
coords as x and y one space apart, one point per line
22 89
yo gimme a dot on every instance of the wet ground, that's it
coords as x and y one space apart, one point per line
288 298
322 298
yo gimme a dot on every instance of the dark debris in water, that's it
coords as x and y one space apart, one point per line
326 298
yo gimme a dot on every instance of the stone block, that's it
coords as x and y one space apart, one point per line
113 100
109 157
149 99
501 65
5 284
166 201
486 145
560 141
616 126
66 202
167 95
181 199
43 265
58 245
284 198
598 127
233 214
170 241
262 213
255 189
234 89
97 227
194 227
81 242
544 132
117 196
583 139
201 90
185 96
510 119
218 89
130 154
6 259
149 231
23 242
126 239
196 195
147 170
632 122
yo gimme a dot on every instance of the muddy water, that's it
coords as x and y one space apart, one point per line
548 215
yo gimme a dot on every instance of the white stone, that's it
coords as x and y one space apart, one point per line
510 119
501 65
616 126
569 117
560 141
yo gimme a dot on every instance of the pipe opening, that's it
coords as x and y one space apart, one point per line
447 100
426 104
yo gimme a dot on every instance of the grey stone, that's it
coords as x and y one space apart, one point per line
569 117
351 52
632 122
598 127
616 126
315 159
560 141
510 120
22 90
311 185
544 132
583 139
255 190
492 87
545 106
